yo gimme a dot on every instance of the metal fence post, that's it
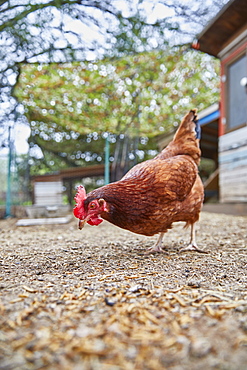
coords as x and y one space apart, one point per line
8 193
107 160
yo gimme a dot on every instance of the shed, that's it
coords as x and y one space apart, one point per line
48 189
225 37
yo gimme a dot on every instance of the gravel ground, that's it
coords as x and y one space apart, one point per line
93 299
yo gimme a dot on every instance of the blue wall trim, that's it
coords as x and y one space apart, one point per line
209 118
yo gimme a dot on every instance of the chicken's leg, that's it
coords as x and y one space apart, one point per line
192 246
157 246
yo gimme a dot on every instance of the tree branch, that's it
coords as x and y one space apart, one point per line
31 8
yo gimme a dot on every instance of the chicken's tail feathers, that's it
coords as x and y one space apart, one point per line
197 124
188 135
189 126
186 139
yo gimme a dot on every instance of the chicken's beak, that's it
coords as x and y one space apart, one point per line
82 223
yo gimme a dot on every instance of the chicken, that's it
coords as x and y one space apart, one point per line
153 194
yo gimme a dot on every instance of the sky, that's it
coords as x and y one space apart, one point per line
21 135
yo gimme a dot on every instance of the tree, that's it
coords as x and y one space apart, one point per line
71 106
57 31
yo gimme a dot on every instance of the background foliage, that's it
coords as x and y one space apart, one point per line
72 106
68 30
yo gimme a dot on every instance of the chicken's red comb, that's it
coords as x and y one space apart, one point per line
79 198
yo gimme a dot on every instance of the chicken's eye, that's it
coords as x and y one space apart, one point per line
92 206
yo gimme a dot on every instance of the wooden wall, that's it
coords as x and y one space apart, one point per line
48 193
233 166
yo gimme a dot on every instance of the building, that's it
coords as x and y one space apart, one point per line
49 190
225 37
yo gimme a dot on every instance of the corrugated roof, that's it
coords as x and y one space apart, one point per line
71 173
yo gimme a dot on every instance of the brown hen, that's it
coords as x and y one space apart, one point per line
154 193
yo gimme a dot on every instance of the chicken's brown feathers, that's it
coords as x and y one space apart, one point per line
149 197
160 191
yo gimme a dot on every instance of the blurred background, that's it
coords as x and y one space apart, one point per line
89 89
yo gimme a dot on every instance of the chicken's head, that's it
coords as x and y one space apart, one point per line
88 211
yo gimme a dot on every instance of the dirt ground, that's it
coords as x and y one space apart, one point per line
93 299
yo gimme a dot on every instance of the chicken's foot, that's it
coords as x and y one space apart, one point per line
157 247
192 246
